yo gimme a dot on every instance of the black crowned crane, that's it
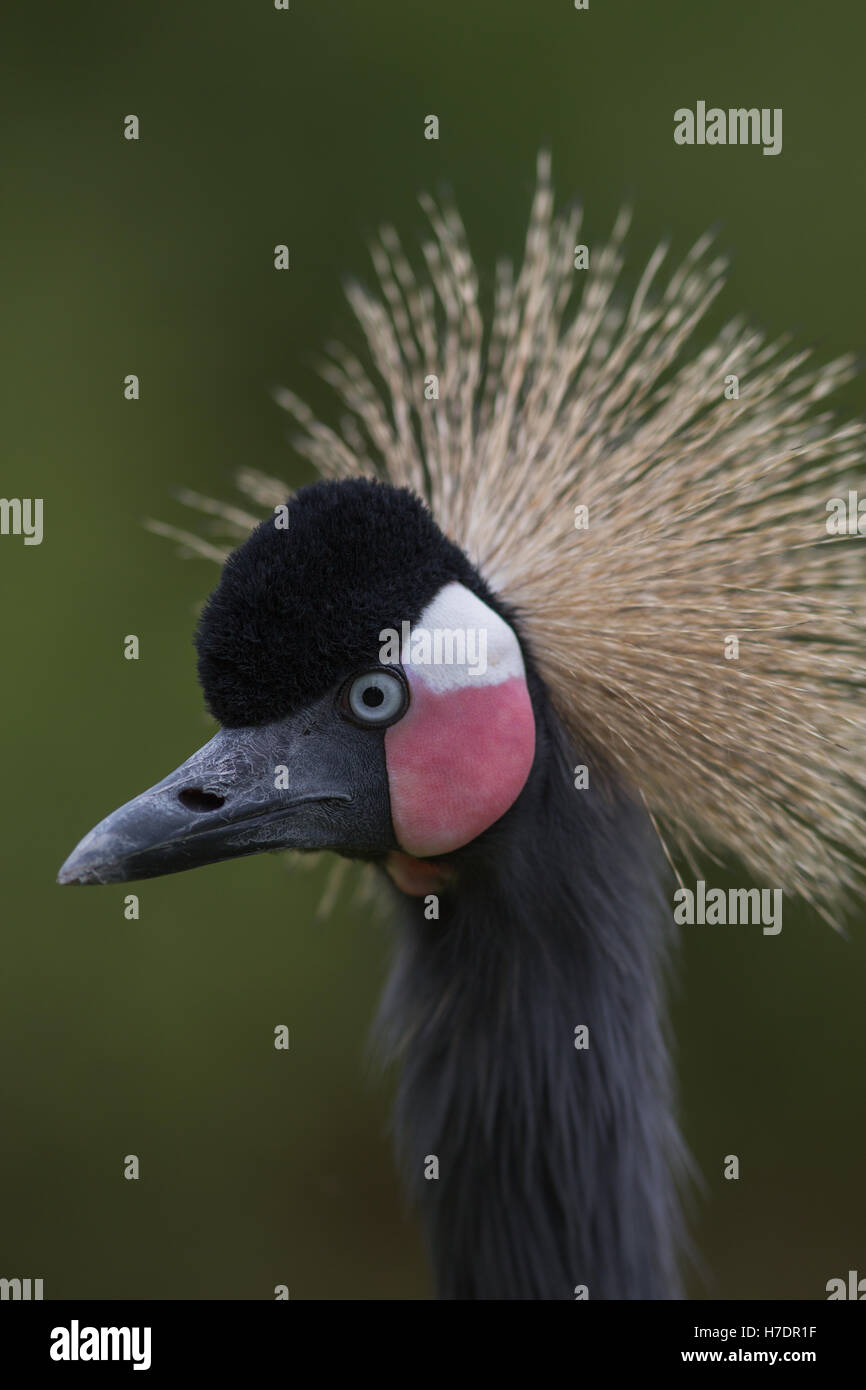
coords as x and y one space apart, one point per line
490 654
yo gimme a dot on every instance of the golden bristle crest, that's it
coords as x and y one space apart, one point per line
705 521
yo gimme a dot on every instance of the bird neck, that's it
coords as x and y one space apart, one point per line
534 1108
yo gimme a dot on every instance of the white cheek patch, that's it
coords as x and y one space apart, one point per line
458 642
461 754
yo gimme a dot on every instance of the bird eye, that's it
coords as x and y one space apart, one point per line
377 698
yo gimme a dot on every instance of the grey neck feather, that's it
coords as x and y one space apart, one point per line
557 1165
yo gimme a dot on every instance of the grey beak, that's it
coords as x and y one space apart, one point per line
226 801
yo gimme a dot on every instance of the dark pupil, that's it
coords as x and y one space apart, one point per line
372 696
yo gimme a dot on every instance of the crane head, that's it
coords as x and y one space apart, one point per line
371 696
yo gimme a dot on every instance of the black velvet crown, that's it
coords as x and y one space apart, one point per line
298 609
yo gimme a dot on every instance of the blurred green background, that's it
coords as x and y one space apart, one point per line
155 1037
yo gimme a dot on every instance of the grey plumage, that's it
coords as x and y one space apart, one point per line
558 1167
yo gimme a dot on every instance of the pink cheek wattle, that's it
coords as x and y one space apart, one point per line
457 761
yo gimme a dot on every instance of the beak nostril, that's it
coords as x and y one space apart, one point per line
194 799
